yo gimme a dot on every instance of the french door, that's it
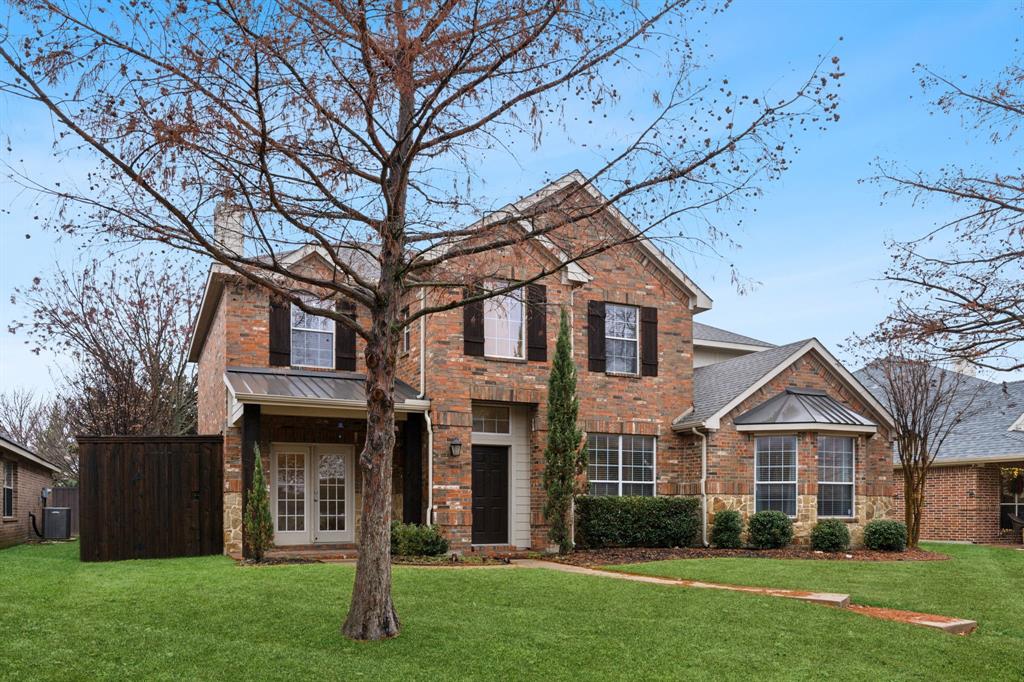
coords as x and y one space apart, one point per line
312 493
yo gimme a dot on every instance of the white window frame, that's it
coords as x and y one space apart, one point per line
406 332
516 295
796 471
1017 505
8 484
608 336
332 330
654 465
853 476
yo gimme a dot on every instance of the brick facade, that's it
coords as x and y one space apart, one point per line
961 503
29 480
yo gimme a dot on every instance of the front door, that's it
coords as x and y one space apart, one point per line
490 494
312 494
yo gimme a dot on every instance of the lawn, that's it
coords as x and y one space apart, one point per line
208 618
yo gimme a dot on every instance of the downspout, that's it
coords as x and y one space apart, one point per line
703 486
426 412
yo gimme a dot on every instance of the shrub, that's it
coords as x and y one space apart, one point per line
727 529
259 524
885 536
830 535
411 539
636 521
770 529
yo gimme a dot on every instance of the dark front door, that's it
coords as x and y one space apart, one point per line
490 494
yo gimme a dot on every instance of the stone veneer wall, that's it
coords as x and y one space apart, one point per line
961 503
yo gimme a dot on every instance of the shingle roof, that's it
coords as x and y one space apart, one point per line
802 406
715 386
9 444
986 432
705 332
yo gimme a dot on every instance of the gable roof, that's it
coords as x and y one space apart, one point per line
990 433
716 337
719 388
15 448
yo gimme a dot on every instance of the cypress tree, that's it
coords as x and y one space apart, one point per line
566 453
259 524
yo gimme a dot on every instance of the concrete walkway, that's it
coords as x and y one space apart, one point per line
956 626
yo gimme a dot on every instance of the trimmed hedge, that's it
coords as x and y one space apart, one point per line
410 539
727 529
830 535
770 529
885 536
636 521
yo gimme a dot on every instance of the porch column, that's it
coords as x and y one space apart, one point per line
250 436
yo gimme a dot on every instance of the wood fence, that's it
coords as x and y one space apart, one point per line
66 497
150 497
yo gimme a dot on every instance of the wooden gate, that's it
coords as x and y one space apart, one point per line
145 497
66 497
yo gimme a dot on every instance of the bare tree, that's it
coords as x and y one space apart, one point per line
962 283
358 127
126 324
42 426
926 401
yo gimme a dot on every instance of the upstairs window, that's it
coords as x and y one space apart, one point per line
835 476
775 474
504 328
621 465
312 339
8 489
622 338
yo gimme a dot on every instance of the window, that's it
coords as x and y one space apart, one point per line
621 465
8 489
504 329
775 473
835 475
406 332
312 339
1010 501
490 419
622 336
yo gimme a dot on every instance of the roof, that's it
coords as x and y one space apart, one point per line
705 334
720 387
804 406
988 432
283 386
16 448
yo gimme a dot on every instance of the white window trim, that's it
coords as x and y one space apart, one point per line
7 466
608 336
852 484
333 331
519 295
654 465
796 471
406 333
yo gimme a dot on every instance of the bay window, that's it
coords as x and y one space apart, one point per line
775 474
835 475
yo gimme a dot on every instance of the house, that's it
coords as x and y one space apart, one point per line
977 480
670 406
23 474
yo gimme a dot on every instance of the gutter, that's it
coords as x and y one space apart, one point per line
430 467
703 485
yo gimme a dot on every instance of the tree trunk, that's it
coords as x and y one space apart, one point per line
372 616
913 494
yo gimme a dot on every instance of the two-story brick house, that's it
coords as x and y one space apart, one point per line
670 406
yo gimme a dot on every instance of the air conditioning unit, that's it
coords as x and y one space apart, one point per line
57 523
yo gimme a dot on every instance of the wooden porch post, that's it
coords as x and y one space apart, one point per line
412 470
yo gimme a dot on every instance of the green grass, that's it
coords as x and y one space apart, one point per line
207 618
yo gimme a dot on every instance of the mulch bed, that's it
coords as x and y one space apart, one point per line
277 561
636 555
453 560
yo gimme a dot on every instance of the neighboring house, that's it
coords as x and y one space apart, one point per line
977 480
23 475
655 388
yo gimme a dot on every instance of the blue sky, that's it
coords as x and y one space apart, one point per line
814 241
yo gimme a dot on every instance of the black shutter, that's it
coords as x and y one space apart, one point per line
280 333
345 340
536 322
595 335
473 328
649 342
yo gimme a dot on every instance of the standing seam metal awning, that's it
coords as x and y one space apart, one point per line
804 407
